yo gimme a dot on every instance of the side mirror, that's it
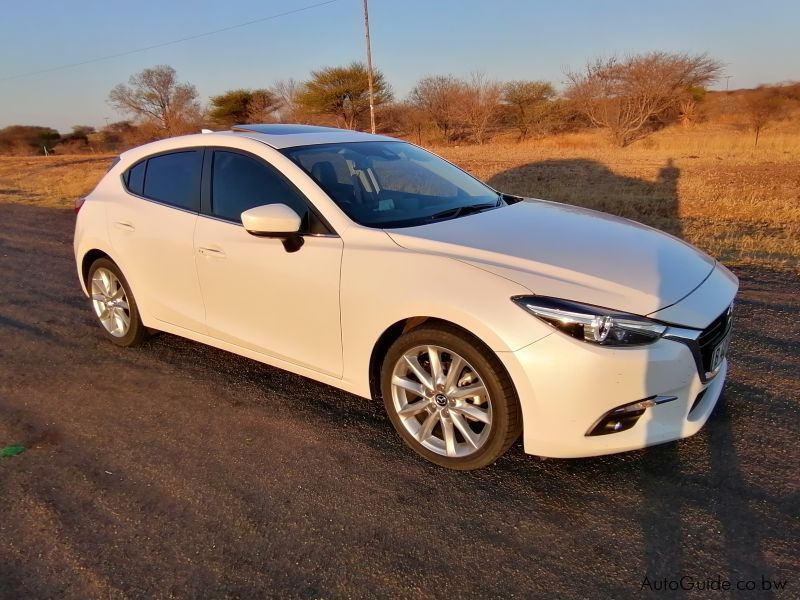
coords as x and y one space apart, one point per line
274 221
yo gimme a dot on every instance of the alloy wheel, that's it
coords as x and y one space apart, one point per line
110 302
441 401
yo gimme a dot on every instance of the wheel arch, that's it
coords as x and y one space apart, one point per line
95 252
396 330
86 263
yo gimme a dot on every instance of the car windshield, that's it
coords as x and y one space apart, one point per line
393 184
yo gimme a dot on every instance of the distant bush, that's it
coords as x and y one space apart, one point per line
27 140
635 95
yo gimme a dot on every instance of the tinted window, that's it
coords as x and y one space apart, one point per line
174 179
239 183
393 184
135 178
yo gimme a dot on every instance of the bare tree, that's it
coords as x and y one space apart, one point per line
287 91
529 102
762 106
632 96
402 119
156 97
480 102
438 98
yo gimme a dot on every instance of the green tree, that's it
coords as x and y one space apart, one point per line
343 92
529 103
243 106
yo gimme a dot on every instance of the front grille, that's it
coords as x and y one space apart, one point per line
713 335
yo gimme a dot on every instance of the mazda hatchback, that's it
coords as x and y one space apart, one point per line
374 266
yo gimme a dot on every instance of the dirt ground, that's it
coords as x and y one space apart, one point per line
178 470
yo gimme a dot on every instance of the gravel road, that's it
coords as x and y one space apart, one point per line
178 470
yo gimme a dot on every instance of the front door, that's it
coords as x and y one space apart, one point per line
256 294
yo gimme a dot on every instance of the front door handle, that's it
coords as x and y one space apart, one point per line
124 226
211 252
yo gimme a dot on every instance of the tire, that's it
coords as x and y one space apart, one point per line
111 296
430 412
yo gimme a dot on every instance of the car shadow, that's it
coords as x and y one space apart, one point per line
691 506
591 184
667 504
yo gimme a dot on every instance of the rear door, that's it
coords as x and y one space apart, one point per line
152 229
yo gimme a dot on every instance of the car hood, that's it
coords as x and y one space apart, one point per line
569 252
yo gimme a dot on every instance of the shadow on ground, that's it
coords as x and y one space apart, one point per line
179 469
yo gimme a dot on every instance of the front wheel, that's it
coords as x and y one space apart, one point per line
449 397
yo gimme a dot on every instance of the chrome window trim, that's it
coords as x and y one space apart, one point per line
165 204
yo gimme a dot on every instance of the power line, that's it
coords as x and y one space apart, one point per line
170 43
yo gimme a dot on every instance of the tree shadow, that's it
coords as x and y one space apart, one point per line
591 184
562 523
666 507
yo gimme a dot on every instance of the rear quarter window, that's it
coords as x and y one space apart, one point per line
134 178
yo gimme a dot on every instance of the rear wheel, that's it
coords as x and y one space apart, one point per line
114 304
449 397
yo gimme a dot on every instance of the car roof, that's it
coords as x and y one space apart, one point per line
282 135
276 135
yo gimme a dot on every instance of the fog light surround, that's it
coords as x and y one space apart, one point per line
626 416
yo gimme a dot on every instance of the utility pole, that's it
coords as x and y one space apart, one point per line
369 70
727 79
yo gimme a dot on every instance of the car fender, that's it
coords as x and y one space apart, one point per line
382 286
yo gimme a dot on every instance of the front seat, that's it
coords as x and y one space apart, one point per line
325 174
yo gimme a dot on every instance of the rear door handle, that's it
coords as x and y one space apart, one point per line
124 226
211 252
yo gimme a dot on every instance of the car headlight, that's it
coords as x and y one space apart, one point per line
592 323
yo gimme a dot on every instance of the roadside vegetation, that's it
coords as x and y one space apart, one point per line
639 136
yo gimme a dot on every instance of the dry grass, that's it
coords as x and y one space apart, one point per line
707 185
53 181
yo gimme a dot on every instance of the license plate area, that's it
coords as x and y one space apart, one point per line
720 352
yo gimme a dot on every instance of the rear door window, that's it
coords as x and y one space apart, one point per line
173 179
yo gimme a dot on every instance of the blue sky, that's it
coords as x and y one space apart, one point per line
507 39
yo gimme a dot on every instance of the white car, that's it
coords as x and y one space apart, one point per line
369 264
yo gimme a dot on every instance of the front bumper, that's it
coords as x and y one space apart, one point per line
565 386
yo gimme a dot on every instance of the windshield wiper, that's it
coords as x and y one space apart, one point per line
452 213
